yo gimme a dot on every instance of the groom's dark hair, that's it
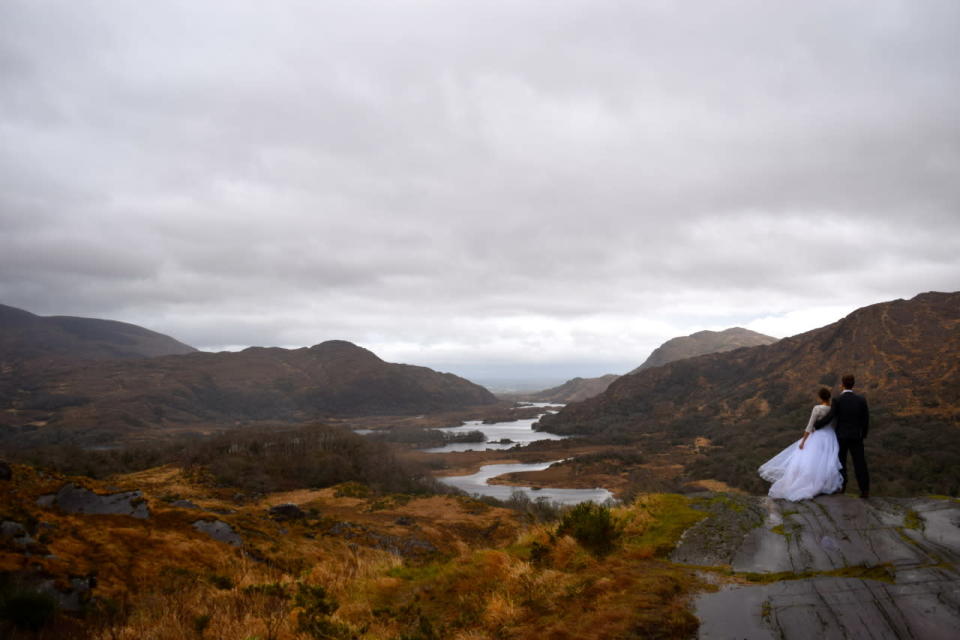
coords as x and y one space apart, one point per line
848 381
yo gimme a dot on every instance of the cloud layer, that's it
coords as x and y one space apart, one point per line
469 185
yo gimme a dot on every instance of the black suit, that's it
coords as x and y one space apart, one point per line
853 422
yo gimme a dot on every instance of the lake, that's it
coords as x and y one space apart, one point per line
519 431
477 483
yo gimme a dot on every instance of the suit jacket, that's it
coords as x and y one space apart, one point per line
852 415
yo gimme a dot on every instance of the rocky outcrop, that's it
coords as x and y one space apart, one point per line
219 530
72 498
286 511
15 533
406 546
832 567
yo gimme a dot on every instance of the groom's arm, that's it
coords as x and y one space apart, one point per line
866 420
825 420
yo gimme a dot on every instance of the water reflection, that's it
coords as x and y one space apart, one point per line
518 432
477 483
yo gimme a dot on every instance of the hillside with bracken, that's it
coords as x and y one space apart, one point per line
703 342
104 400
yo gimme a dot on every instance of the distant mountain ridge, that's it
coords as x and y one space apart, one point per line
699 343
26 336
334 378
572 390
703 342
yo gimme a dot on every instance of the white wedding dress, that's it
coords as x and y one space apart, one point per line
800 474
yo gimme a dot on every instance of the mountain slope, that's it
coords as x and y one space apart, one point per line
905 355
334 378
703 342
573 390
26 336
697 344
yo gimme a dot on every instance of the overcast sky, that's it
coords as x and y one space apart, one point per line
510 188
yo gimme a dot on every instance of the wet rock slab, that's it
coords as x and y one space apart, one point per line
717 539
286 511
16 533
72 498
219 530
922 604
901 556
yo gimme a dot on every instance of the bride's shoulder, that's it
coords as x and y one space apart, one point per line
821 408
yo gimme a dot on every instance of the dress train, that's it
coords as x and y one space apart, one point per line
801 474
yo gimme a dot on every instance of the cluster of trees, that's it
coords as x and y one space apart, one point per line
424 438
256 460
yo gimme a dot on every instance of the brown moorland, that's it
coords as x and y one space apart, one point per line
354 565
108 400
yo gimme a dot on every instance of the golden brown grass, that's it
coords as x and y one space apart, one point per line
160 579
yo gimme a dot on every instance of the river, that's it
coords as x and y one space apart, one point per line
518 432
521 433
477 483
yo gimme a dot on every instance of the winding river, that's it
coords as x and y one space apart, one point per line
477 483
519 432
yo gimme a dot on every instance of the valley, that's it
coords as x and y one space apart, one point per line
325 493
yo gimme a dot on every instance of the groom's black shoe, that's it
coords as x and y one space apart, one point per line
864 495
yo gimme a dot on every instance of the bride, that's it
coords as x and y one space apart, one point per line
809 466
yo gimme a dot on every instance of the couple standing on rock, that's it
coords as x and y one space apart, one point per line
817 463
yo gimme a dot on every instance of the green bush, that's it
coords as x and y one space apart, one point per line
316 606
592 525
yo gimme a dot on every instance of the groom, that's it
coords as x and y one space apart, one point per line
853 421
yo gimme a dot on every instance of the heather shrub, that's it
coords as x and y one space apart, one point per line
592 525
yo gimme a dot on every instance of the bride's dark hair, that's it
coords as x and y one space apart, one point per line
824 393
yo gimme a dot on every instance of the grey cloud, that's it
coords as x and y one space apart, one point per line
454 181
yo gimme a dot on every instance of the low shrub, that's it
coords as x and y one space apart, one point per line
592 525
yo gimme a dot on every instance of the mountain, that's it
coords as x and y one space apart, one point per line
334 378
25 336
703 342
696 344
751 402
573 390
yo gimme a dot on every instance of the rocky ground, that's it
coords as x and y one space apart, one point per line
833 567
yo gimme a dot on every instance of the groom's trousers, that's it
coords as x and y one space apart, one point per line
855 447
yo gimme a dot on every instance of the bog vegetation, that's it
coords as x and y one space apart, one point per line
588 572
255 460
